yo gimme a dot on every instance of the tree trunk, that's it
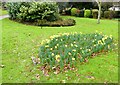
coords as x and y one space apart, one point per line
99 12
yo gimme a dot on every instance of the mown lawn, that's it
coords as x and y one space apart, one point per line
3 12
20 42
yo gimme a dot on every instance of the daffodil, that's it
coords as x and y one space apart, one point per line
108 46
89 50
76 46
55 46
80 48
47 46
74 42
69 53
71 44
65 45
111 36
51 48
74 50
57 57
73 59
52 54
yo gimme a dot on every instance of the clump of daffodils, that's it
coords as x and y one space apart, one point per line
57 57
67 48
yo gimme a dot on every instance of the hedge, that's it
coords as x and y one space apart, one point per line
87 13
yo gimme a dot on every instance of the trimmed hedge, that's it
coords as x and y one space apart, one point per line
73 11
87 13
95 13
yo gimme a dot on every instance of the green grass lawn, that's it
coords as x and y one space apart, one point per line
3 12
20 42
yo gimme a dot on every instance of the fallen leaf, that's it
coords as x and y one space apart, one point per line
2 66
90 77
37 76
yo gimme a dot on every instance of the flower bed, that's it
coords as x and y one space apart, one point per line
63 49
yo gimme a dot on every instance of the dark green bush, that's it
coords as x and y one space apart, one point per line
117 14
106 14
73 11
31 11
87 13
68 48
109 14
13 9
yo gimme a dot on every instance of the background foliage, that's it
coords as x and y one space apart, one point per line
31 11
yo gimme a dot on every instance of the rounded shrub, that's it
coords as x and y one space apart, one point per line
31 11
67 48
73 11
95 13
106 14
87 13
109 14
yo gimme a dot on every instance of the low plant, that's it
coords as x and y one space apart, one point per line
67 48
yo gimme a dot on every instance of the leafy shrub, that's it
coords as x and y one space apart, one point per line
30 11
67 48
3 5
106 14
95 13
109 14
73 11
13 9
81 13
87 13
69 22
117 14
